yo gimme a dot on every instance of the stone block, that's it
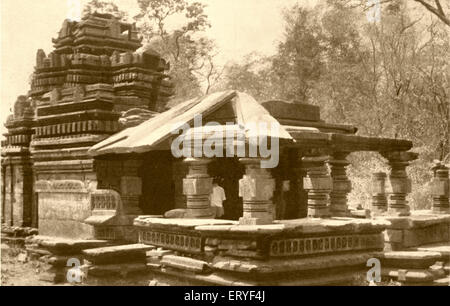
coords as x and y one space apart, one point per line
399 185
260 189
318 183
440 187
194 186
410 259
185 263
393 236
117 254
426 235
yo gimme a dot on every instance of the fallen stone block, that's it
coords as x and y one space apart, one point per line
186 263
118 254
62 246
409 259
122 269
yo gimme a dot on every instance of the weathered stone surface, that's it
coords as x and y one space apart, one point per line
185 263
410 259
393 235
408 275
122 269
442 248
67 246
293 264
117 254
175 213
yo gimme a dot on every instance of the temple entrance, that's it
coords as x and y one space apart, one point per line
158 187
230 171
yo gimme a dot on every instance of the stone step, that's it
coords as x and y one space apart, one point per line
442 281
117 254
64 246
122 269
186 263
411 276
442 248
409 259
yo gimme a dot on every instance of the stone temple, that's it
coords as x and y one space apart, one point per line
87 160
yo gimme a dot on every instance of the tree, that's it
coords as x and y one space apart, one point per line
104 7
189 52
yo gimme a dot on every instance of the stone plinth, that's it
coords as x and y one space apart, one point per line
256 189
286 252
421 228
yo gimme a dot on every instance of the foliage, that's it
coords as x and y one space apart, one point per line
389 78
175 28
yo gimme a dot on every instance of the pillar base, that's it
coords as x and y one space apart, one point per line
255 221
399 212
319 212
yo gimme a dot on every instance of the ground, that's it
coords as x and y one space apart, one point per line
18 273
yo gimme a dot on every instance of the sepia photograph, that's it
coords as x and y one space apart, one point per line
234 144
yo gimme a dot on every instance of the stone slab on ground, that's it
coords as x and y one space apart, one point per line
445 281
122 269
118 254
186 263
63 246
409 259
421 276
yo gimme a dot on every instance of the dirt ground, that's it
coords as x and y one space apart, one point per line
16 272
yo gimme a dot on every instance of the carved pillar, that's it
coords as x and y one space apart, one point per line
256 189
440 189
341 185
379 198
319 184
197 186
399 183
131 187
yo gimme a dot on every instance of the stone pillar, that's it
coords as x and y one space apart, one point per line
379 198
399 184
319 184
341 185
197 186
256 189
440 189
131 187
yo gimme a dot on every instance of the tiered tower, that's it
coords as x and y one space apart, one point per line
80 91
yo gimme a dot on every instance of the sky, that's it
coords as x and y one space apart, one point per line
239 27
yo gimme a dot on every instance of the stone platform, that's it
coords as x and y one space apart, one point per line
287 252
420 228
